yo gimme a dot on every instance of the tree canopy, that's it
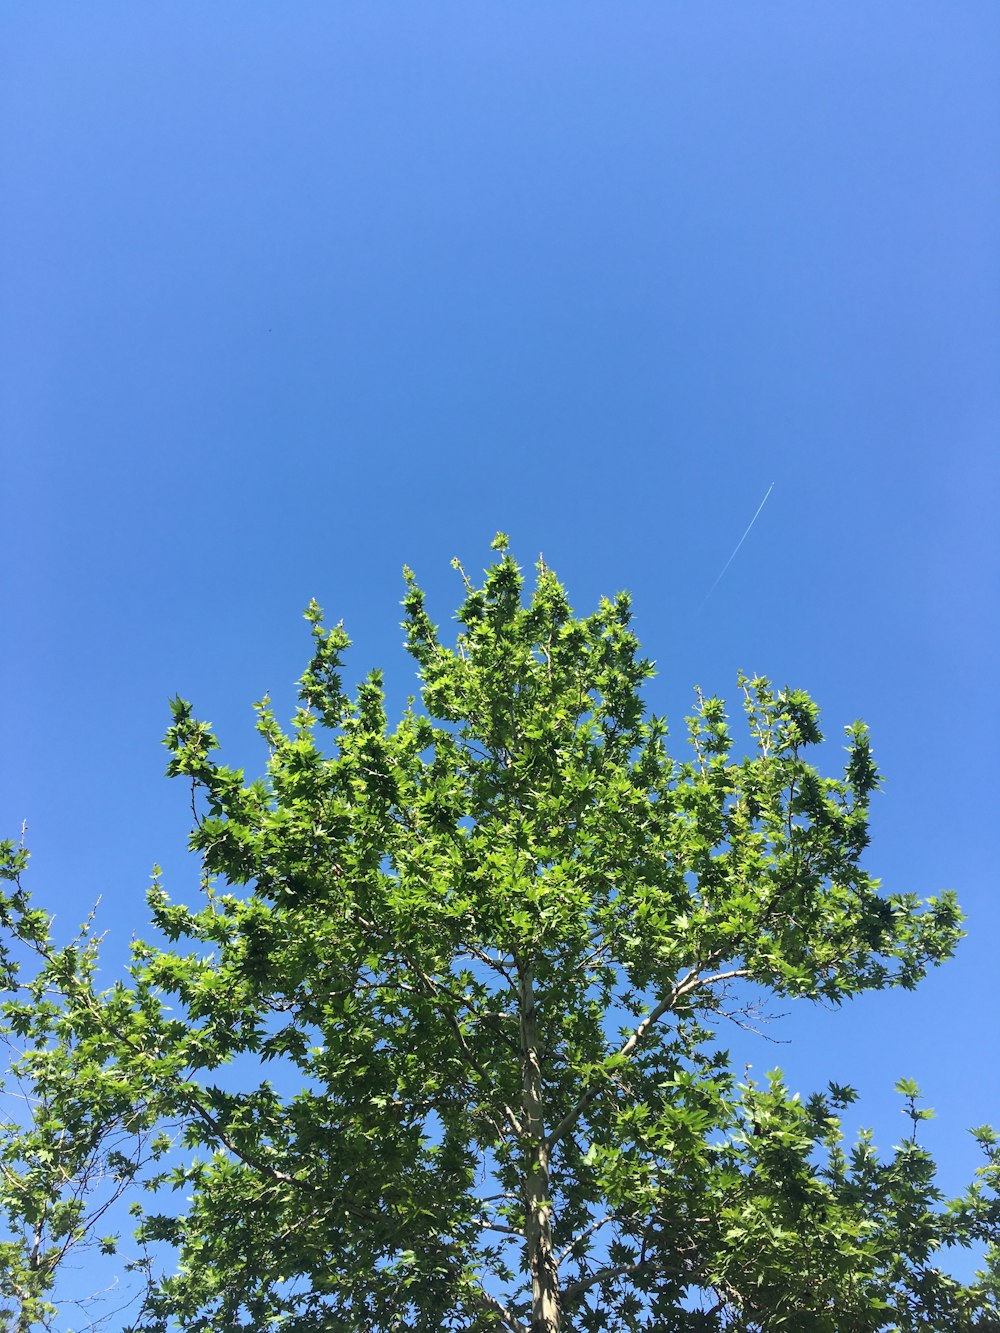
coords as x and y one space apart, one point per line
435 1048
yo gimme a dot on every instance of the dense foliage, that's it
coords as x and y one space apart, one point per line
435 1050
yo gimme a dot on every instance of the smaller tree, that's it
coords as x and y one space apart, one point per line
439 1034
75 1131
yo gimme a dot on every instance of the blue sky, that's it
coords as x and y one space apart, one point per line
292 295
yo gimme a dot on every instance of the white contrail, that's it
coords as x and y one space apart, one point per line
737 546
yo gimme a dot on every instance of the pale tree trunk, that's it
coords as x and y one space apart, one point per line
538 1212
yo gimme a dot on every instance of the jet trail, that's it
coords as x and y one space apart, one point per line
737 547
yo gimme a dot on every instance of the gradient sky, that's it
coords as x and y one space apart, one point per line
293 294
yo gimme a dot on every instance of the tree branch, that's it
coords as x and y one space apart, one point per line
433 991
577 1289
487 1302
691 982
581 1236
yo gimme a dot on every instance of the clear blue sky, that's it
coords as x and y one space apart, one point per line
294 294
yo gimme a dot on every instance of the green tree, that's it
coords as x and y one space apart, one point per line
438 1037
76 1129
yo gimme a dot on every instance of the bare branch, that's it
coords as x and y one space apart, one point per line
581 1236
577 1289
691 982
483 1225
484 1301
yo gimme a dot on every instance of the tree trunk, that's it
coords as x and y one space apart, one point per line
538 1211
